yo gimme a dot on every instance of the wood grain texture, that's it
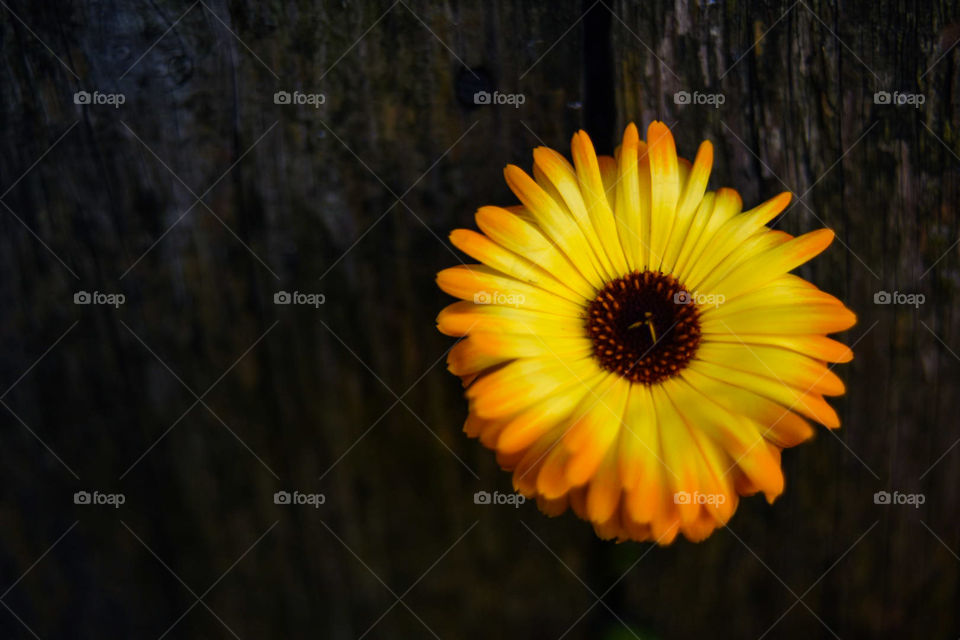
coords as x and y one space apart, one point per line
199 198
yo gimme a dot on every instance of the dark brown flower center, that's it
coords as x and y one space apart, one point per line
644 327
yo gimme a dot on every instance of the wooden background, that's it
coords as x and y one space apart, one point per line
197 399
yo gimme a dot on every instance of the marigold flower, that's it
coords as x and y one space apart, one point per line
633 345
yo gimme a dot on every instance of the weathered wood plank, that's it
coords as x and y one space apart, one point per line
354 200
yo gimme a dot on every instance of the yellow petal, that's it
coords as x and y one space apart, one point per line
678 452
690 198
533 423
483 285
551 479
786 319
495 256
642 468
778 424
595 431
485 349
556 177
608 172
633 230
786 291
520 383
716 483
767 266
730 239
639 442
528 470
587 182
807 403
558 226
665 524
738 435
664 186
726 204
515 232
819 347
786 367
603 492
462 317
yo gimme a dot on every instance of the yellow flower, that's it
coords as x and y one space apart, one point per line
634 346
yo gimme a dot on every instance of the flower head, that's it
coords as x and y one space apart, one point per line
633 345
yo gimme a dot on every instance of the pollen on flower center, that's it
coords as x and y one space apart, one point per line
644 327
